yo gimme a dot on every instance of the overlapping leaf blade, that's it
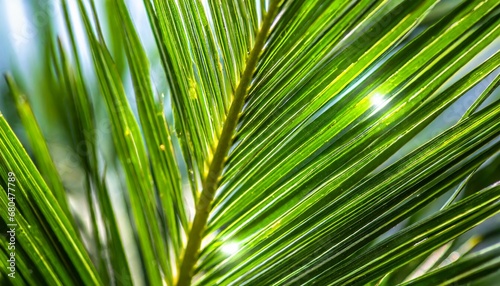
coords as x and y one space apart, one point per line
132 153
158 140
462 271
38 144
33 195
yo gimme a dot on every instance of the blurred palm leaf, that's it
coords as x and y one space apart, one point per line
285 161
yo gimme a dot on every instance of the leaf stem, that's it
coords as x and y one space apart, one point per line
211 181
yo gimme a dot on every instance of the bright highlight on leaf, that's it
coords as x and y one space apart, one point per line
230 248
252 142
378 101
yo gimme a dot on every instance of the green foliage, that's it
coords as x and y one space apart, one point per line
286 161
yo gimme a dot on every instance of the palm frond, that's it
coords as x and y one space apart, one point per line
294 155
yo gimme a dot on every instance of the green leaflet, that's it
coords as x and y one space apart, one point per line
37 141
31 187
132 153
464 270
447 223
39 250
156 132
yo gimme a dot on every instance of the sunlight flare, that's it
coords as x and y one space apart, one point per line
230 248
378 101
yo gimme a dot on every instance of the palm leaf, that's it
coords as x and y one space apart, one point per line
293 155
